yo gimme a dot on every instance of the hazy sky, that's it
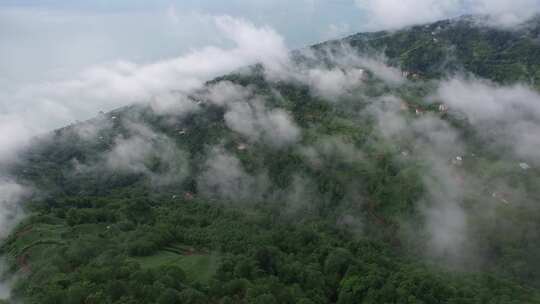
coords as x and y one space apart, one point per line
54 34
48 38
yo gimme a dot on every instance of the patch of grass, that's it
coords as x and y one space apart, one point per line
33 235
198 267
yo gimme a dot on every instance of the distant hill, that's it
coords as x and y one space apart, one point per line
460 45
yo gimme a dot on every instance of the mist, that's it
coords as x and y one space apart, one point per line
508 115
109 86
392 14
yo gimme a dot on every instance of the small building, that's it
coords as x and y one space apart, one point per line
457 161
188 196
443 108
241 147
404 106
524 166
501 197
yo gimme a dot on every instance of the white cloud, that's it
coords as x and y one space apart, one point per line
34 108
10 212
225 92
508 115
337 70
252 119
483 101
5 283
433 142
334 31
224 178
332 83
247 114
506 12
391 75
142 151
394 14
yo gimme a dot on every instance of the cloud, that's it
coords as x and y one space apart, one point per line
248 114
332 83
394 14
105 87
20 136
256 122
332 150
301 196
391 75
446 219
463 187
224 178
5 286
89 130
483 101
334 31
10 212
225 92
432 142
386 110
507 115
348 57
336 70
173 103
506 12
141 151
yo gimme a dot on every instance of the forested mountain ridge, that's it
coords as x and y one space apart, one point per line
340 179
459 45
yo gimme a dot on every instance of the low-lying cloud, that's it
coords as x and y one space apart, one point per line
434 143
394 14
256 122
224 178
143 151
10 212
507 115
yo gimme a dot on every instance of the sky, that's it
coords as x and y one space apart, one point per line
43 38
63 61
72 34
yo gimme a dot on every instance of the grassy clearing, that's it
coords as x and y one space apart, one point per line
198 267
34 235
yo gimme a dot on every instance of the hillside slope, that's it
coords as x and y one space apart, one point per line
459 45
339 180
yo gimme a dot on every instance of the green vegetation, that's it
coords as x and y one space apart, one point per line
199 267
459 45
337 217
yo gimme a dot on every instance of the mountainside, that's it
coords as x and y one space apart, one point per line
389 167
463 44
